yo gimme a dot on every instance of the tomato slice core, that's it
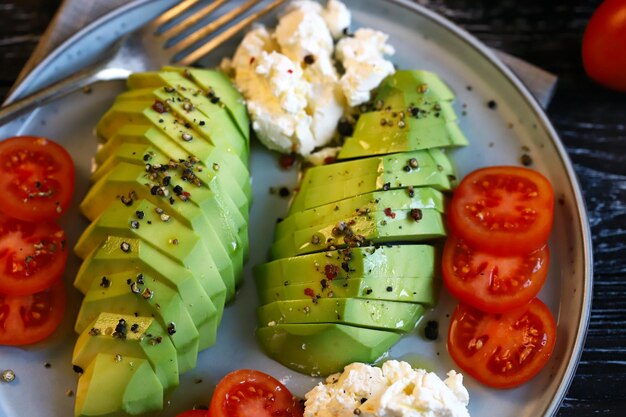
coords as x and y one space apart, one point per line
32 255
503 210
489 282
31 318
252 393
36 178
502 350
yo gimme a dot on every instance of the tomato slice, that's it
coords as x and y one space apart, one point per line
253 393
493 283
31 318
194 413
503 210
502 350
36 178
32 255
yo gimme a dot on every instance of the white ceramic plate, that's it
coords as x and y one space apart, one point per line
422 40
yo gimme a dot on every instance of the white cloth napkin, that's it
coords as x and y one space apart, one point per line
73 15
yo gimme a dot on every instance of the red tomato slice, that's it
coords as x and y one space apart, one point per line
31 318
503 210
493 283
502 350
32 255
246 393
194 413
36 178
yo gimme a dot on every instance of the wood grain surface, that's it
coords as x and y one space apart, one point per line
591 121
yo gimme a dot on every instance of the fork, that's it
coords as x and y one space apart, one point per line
174 32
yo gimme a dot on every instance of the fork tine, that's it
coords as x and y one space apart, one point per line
211 27
172 12
193 19
207 47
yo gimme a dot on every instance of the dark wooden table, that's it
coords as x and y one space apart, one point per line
590 120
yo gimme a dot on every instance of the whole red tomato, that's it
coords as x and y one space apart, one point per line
604 45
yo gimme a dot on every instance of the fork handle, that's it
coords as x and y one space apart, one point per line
61 88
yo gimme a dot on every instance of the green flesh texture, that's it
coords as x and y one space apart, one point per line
202 297
410 290
109 387
398 199
128 180
156 348
405 261
352 178
373 228
323 349
373 314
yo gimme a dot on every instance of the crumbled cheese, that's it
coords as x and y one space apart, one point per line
337 18
395 390
295 96
363 57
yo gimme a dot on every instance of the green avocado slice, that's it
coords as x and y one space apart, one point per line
207 80
210 121
410 290
151 299
412 88
204 299
419 133
351 178
418 198
129 180
111 385
323 349
229 168
143 131
373 314
142 154
166 234
372 228
124 293
400 261
100 337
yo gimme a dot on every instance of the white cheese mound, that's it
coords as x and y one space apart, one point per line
363 57
337 18
294 94
395 390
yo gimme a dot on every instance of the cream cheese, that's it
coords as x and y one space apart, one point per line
394 390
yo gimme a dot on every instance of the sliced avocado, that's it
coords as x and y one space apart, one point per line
229 95
125 294
142 337
141 154
113 385
372 228
419 198
420 290
351 178
208 80
128 181
135 113
210 121
374 314
418 133
408 89
166 234
405 261
176 148
203 298
323 349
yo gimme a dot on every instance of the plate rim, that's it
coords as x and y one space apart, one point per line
474 43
